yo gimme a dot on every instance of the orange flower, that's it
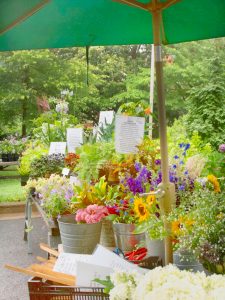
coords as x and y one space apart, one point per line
212 179
148 111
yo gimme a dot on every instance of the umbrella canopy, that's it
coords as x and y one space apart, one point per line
68 23
39 24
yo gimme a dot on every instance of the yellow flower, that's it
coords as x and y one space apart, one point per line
212 179
220 216
180 225
141 209
151 199
176 227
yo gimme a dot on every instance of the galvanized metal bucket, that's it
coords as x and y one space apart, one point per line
78 238
185 260
126 239
107 235
156 248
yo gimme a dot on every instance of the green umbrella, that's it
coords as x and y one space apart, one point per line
39 24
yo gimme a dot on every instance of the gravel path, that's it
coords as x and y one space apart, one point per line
13 250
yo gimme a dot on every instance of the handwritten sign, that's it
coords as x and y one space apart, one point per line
57 148
74 139
67 262
129 132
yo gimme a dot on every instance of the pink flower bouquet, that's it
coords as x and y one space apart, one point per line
91 214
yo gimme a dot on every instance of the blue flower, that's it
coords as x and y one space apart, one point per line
176 157
186 173
174 166
181 162
187 146
181 187
181 145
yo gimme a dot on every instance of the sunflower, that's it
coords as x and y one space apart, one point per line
176 227
151 199
212 179
141 209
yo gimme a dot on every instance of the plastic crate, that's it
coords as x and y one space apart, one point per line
39 290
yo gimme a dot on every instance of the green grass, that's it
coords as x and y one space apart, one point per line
11 190
9 171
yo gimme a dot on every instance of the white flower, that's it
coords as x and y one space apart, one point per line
217 294
168 283
120 292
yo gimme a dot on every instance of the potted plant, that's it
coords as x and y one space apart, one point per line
99 193
33 151
80 233
46 165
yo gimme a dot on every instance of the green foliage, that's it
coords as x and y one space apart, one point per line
207 113
177 134
34 151
92 158
216 165
46 165
51 127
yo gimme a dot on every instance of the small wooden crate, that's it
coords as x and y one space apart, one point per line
39 290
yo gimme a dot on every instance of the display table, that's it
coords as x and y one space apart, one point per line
52 227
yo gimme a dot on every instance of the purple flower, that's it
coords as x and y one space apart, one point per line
137 166
176 157
174 166
181 187
158 162
222 148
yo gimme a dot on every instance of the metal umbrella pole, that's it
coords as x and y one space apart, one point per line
168 199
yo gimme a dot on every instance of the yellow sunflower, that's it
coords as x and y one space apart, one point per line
212 179
141 209
176 227
151 199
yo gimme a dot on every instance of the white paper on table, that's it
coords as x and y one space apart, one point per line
67 262
129 133
105 257
74 139
57 148
87 272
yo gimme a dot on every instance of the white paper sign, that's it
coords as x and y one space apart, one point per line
74 139
87 272
57 148
65 171
105 118
129 133
67 262
105 257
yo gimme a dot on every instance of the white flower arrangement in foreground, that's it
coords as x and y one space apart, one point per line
168 283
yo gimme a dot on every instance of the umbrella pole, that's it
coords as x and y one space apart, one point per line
167 201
